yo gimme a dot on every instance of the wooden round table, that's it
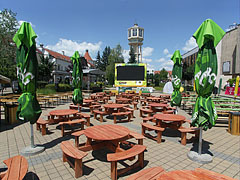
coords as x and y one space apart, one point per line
123 100
107 132
109 108
175 119
63 112
154 106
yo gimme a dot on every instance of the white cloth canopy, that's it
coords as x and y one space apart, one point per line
168 88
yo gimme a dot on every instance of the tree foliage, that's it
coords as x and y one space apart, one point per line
132 58
8 28
114 57
45 68
163 75
102 62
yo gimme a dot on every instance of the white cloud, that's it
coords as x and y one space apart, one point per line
169 55
161 60
190 44
145 60
69 47
147 51
165 51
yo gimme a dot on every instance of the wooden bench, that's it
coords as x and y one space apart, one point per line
184 132
135 105
77 135
132 152
145 111
129 109
93 107
69 150
85 116
168 112
71 123
137 136
17 168
41 125
147 174
127 113
149 127
101 113
146 119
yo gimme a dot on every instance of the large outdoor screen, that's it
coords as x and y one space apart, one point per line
130 73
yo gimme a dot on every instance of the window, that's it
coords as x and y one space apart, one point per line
134 32
226 67
140 32
129 33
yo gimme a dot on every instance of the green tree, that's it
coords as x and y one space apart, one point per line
132 58
45 68
188 72
98 62
114 57
104 60
163 74
8 28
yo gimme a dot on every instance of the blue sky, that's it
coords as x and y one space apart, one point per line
94 24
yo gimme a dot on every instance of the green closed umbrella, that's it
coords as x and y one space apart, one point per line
27 73
77 76
204 114
176 78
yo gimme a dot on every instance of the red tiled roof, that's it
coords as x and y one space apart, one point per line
169 72
88 58
38 51
156 72
57 55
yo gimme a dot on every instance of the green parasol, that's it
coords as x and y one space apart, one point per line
207 36
27 73
204 114
176 78
77 76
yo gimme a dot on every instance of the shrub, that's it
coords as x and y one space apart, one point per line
50 86
64 87
46 91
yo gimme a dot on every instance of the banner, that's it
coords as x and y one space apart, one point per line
230 91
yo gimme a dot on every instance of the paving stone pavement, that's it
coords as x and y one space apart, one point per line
169 154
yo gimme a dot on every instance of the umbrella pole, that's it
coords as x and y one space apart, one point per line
32 136
200 142
78 108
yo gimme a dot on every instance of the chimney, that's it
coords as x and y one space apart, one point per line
63 53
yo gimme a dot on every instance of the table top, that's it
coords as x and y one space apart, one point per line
113 106
63 112
158 105
123 99
169 117
106 132
87 100
197 174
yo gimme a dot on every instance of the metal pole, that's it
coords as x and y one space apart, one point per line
32 136
78 108
200 142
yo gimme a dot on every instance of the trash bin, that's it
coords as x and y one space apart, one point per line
10 113
234 123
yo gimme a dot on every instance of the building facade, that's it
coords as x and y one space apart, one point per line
135 38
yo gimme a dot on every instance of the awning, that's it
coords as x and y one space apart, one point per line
4 80
93 71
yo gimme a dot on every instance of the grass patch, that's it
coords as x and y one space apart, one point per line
46 91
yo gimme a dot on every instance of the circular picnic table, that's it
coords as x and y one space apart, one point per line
63 112
107 132
109 108
154 99
174 120
123 100
154 106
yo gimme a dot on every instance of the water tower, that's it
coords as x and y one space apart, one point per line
135 38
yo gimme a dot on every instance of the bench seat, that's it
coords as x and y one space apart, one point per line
17 168
149 127
69 150
42 125
85 116
77 135
184 132
127 113
130 153
145 111
101 113
71 123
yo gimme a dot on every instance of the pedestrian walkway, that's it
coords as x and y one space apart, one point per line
170 154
